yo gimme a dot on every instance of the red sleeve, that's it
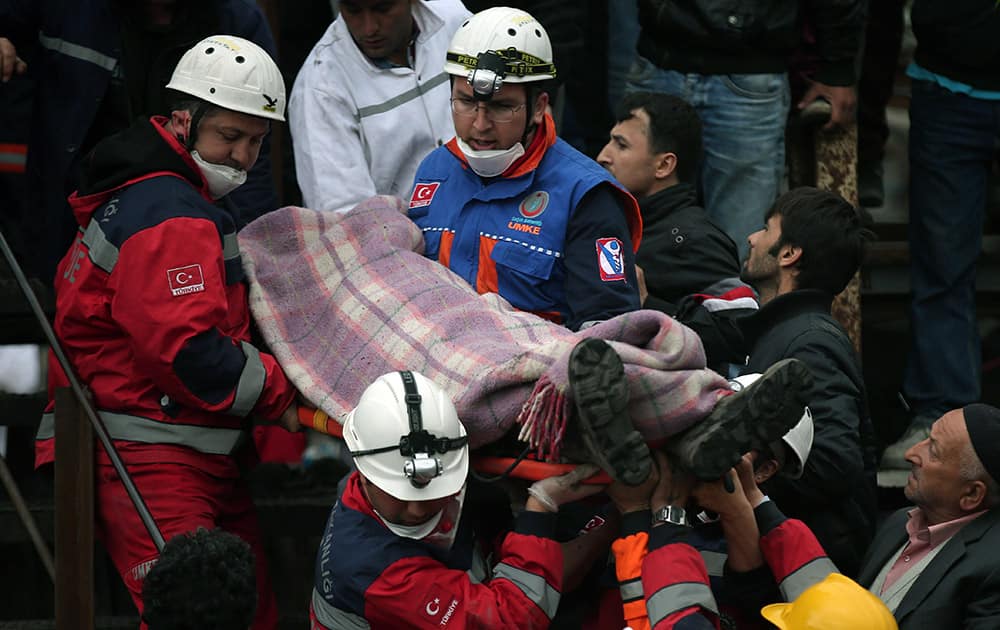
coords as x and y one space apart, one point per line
675 583
420 592
170 297
796 558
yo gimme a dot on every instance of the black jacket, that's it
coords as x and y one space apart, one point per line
836 494
958 589
685 256
750 36
682 251
86 49
960 40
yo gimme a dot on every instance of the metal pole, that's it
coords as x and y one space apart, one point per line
29 522
95 421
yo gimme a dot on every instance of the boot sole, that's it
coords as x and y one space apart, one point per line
747 420
597 379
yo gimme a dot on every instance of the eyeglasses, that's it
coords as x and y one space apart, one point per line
494 111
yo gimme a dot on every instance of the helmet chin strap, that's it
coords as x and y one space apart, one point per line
196 118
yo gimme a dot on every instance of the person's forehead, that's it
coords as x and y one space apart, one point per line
634 128
509 92
237 121
949 431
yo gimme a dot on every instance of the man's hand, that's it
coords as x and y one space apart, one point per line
548 494
674 486
634 498
10 63
290 417
842 99
715 496
744 470
640 276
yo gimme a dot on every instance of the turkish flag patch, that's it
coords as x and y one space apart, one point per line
611 259
184 280
423 194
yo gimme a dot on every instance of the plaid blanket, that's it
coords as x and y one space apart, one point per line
343 298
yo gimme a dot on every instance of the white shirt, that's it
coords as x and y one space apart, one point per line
359 130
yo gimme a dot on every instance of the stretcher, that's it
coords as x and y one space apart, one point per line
528 469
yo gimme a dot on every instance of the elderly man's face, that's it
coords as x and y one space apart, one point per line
935 483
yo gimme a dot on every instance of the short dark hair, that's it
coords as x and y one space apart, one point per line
193 105
832 234
203 579
674 127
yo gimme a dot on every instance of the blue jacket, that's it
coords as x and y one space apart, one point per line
366 576
81 49
556 241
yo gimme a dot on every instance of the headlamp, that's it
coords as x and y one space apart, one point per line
487 77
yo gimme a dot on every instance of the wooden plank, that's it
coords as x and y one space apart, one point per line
74 500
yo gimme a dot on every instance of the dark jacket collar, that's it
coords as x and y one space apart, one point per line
143 148
784 307
662 204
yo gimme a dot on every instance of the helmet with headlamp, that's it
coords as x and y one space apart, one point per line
406 438
500 45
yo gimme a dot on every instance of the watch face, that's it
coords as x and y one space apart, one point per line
672 514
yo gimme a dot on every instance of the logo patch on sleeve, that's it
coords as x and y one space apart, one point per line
423 194
184 280
610 259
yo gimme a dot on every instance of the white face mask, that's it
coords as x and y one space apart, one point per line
439 530
221 179
491 162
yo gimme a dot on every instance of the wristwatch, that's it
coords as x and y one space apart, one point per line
670 514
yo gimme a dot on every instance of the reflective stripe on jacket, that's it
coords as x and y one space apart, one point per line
152 311
366 576
509 236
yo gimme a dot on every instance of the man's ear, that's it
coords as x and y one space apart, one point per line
789 255
666 165
180 124
541 106
973 497
765 470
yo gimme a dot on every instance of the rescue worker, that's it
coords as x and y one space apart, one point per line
403 548
509 206
152 311
835 603
672 587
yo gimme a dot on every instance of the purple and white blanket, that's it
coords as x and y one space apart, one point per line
343 298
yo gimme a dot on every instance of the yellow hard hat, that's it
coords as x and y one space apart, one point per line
835 603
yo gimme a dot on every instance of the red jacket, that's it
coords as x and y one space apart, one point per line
663 579
152 311
367 576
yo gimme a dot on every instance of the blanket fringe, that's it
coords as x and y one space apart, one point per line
543 419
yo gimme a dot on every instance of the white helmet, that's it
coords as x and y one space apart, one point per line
500 45
233 73
406 438
798 440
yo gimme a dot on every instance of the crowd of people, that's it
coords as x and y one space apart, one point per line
149 152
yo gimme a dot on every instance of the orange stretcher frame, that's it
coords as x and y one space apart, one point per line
529 469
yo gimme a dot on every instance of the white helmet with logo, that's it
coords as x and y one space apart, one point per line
406 438
798 440
232 73
500 45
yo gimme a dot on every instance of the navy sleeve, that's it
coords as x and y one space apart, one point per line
595 292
